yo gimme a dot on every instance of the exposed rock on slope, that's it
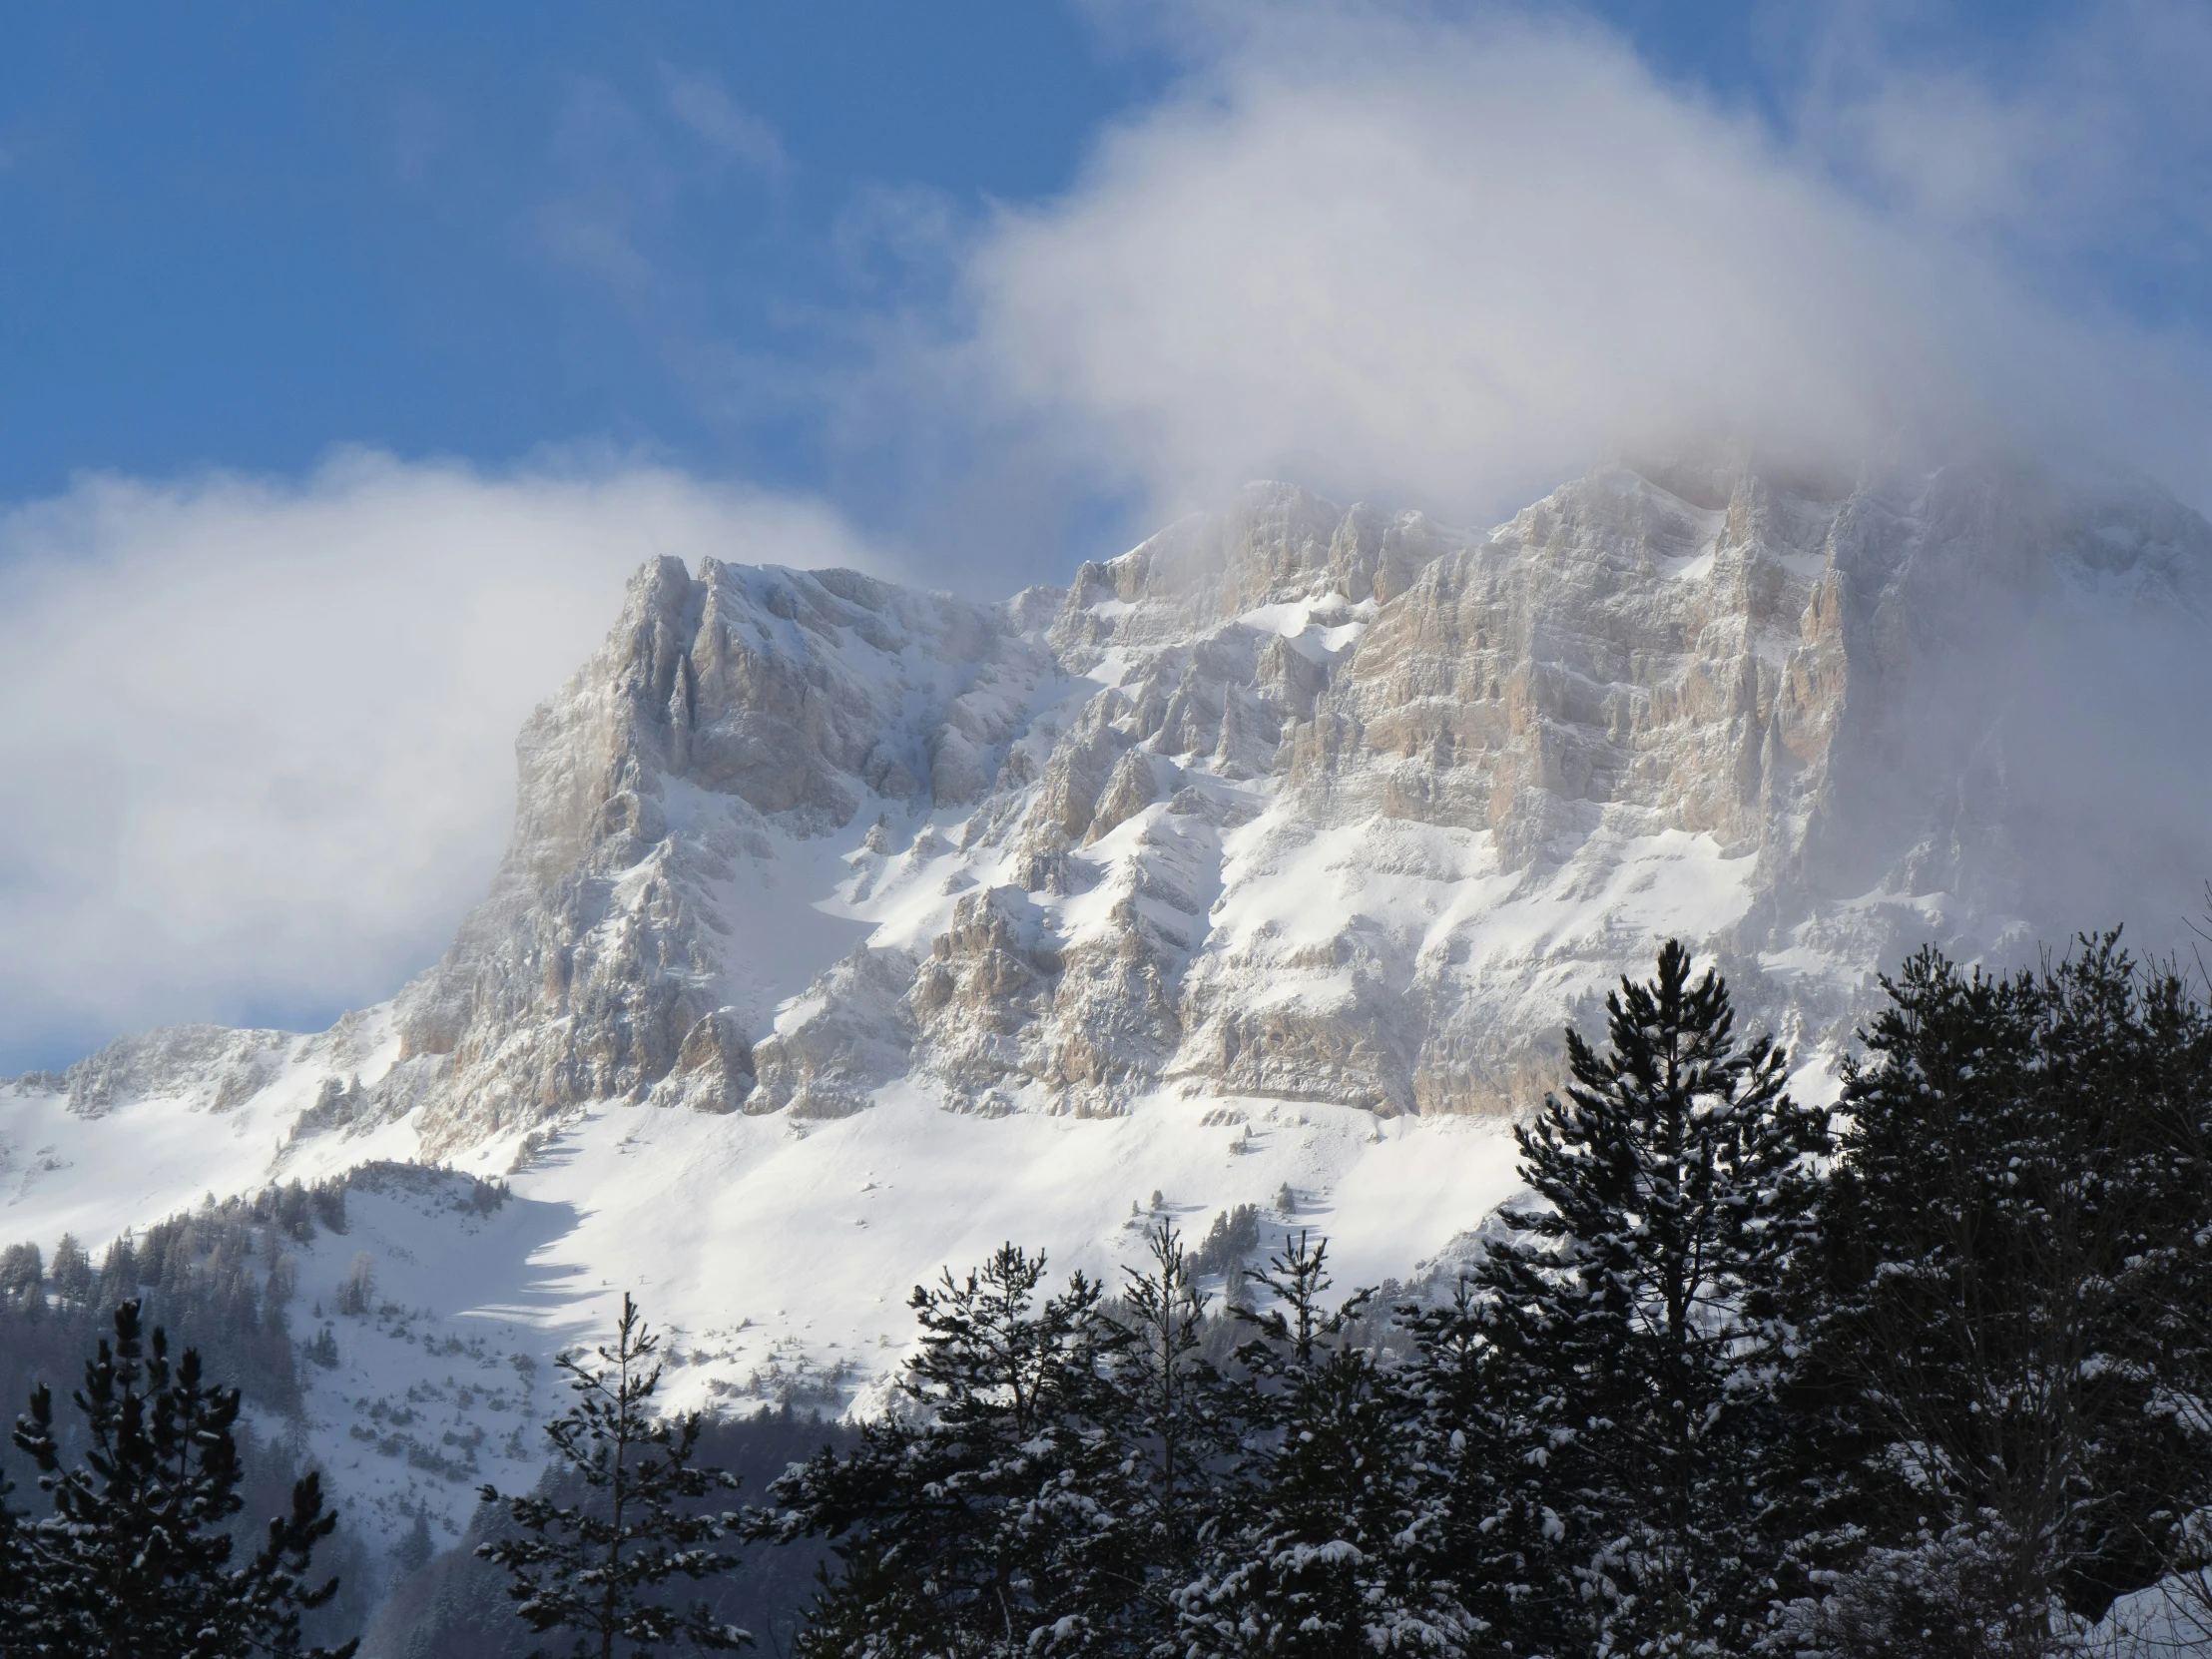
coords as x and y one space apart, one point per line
1302 802
728 720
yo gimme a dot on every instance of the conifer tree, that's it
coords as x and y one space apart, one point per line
599 1569
2008 1305
413 1551
1329 1545
987 1519
135 1561
17 1583
1637 1304
1479 1478
22 1274
74 1280
1172 1422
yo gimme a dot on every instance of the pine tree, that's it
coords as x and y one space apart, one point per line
2007 1307
135 1561
17 1579
1329 1545
599 1569
987 1519
1638 1306
74 1280
1479 1478
1171 1421
414 1552
22 1273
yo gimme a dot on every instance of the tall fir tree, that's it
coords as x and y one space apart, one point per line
1330 1543
1171 1420
74 1278
601 1568
2007 1307
136 1560
1479 1478
989 1515
1636 1308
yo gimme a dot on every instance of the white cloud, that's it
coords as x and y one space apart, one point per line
2090 137
703 105
1447 262
259 735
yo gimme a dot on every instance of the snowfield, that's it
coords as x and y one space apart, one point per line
777 1257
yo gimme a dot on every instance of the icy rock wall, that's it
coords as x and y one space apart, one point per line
1302 803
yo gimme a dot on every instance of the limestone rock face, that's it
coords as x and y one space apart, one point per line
1303 802
675 803
213 1064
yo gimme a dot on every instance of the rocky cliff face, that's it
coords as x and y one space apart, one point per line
1296 802
846 932
676 801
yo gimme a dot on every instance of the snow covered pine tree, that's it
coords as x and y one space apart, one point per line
598 1568
2007 1344
1478 1478
1636 1312
1331 1543
1173 1424
135 1561
991 1520
988 1519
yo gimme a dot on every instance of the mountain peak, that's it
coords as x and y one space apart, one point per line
1273 854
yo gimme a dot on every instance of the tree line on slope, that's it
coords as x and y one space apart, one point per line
156 1464
219 1279
1925 1377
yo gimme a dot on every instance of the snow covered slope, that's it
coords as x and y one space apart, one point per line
846 932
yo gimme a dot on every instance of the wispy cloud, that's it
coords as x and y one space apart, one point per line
1447 258
262 733
706 109
2087 139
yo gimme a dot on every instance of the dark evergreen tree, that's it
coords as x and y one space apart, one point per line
1329 1542
135 1561
600 1569
414 1552
1937 1596
22 1273
17 1580
119 1273
1480 1476
1171 1419
1229 1244
1636 1310
2007 1307
74 1278
989 1516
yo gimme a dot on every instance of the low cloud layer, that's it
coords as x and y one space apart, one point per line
260 737
1448 261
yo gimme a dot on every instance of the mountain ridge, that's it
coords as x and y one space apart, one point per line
845 929
1683 649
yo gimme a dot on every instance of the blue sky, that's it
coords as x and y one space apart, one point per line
350 357
242 233
239 235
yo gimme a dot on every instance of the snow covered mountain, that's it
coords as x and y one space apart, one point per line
847 930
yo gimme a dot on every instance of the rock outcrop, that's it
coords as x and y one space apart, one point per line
1308 804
